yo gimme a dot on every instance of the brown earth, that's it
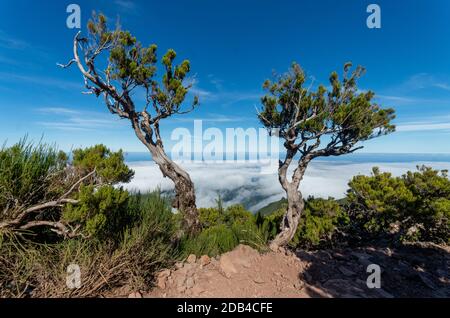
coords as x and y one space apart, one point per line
421 270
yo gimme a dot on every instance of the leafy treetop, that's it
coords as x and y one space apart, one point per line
342 113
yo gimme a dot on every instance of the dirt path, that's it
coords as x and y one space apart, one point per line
243 272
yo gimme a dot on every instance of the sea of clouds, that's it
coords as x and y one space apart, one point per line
256 185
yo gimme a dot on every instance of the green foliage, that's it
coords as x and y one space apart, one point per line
321 220
110 166
342 112
237 214
415 206
28 174
211 241
209 217
102 212
269 224
272 207
223 229
144 246
132 64
38 175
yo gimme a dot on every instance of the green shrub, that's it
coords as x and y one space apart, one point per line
321 220
415 206
102 213
238 214
29 174
110 166
209 217
211 241
318 225
223 230
144 246
249 234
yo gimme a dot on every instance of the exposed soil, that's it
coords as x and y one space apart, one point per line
421 270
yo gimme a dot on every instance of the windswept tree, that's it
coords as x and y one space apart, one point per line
116 66
321 123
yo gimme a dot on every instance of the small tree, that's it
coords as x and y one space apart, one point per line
38 183
327 122
130 67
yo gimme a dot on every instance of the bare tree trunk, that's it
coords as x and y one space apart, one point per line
296 205
291 219
184 199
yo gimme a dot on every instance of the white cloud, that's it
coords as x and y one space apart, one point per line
57 110
73 120
9 42
243 182
41 81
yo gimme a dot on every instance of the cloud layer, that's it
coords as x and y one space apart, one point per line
245 184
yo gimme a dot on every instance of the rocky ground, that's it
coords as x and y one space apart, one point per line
409 271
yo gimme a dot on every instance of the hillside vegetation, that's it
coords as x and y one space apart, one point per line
120 238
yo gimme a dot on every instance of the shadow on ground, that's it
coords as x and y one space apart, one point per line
419 270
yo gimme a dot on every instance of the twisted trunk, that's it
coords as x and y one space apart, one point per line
296 205
184 199
291 218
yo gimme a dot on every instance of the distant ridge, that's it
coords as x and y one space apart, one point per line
272 207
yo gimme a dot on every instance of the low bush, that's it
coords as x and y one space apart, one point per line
412 207
320 223
222 230
143 247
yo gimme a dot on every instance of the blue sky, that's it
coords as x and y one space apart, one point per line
233 47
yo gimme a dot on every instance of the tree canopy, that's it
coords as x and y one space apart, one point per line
305 117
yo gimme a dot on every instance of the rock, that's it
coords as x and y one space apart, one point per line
165 273
135 295
190 282
179 265
346 271
161 282
197 290
427 280
383 293
205 260
298 285
188 267
181 289
226 265
191 259
180 281
259 280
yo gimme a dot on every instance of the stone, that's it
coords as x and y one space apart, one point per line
383 293
179 265
347 272
180 281
259 280
135 295
226 266
161 282
197 290
165 273
190 282
191 259
205 260
181 289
